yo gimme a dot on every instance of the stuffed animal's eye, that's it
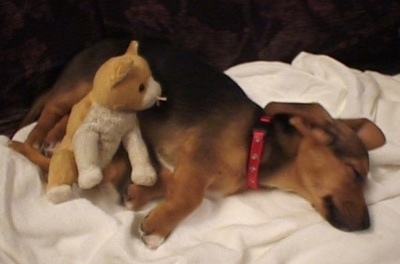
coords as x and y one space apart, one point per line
142 88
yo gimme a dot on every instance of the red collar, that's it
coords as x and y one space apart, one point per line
256 150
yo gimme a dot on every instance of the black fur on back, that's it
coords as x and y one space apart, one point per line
194 89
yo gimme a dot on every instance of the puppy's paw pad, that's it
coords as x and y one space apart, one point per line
89 178
144 175
59 194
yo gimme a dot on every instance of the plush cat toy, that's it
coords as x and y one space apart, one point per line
100 122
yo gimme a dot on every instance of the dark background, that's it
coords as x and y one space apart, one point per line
37 38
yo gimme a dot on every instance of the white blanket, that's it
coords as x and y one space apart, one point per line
255 227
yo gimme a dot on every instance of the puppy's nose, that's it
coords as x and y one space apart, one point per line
366 223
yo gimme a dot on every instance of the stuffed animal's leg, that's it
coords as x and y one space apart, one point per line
62 174
143 172
86 151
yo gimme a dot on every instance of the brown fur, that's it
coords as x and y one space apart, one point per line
201 145
303 160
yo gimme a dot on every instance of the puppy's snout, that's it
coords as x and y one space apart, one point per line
347 216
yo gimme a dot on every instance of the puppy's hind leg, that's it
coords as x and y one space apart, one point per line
56 107
31 153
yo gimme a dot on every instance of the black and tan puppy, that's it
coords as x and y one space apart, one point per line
202 135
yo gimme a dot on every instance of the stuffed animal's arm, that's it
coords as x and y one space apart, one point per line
143 172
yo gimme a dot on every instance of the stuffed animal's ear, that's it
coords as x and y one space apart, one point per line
121 69
133 48
369 133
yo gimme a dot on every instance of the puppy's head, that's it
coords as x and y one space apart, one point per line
331 169
325 160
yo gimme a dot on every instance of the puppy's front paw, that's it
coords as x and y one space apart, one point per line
88 178
143 175
135 197
152 241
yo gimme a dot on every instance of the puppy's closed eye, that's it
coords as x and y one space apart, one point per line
358 177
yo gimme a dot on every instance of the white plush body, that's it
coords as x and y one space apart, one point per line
97 140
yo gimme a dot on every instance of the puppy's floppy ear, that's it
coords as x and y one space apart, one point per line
313 114
307 130
310 119
369 133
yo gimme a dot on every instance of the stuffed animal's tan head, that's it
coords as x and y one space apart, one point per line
125 82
